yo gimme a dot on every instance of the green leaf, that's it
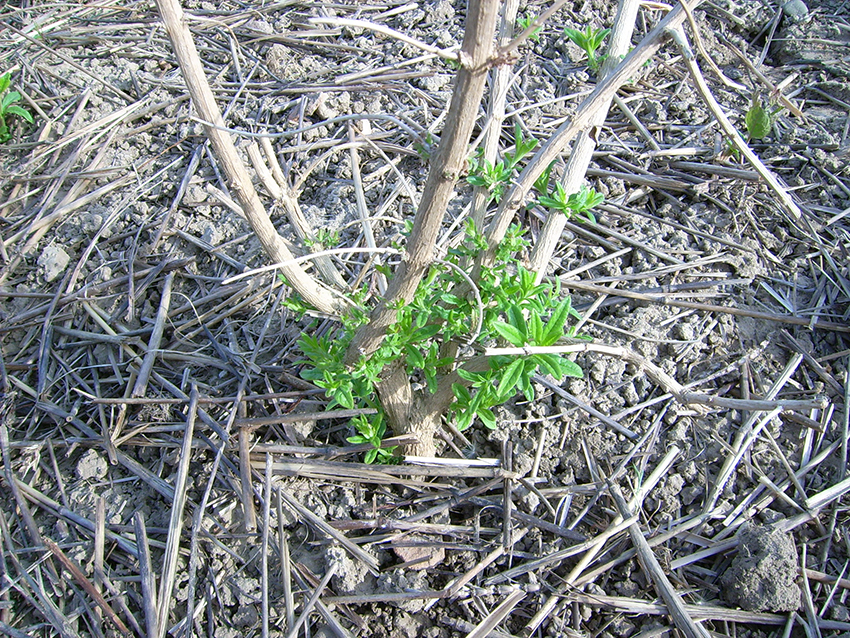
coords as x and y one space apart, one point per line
311 374
461 393
510 378
425 332
517 319
509 333
555 325
9 98
431 379
527 387
414 357
541 185
475 378
758 120
576 36
464 420
551 363
551 203
5 81
343 397
571 368
598 37
370 456
535 328
487 418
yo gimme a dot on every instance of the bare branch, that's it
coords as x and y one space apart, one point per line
314 293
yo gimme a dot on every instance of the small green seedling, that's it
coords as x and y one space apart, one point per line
589 41
732 151
372 431
497 177
759 118
324 238
523 23
8 107
425 147
572 205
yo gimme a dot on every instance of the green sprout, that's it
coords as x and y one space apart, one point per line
8 108
324 238
523 23
589 41
425 147
572 205
372 431
759 118
497 177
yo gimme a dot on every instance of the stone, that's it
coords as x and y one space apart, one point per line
91 466
763 575
53 261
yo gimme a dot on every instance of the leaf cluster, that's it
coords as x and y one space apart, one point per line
324 238
495 178
589 41
8 107
511 308
523 325
574 204
372 430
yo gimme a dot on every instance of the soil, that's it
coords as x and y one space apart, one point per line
116 225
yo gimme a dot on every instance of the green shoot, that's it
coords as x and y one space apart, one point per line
493 177
372 431
759 119
497 177
523 23
589 41
575 205
324 239
425 147
542 183
8 108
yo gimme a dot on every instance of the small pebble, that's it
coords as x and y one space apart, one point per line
795 10
91 466
53 261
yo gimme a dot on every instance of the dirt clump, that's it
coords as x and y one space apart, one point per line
763 575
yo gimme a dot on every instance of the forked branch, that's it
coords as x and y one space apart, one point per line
319 296
446 167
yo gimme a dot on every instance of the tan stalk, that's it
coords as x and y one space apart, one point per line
500 79
314 293
447 165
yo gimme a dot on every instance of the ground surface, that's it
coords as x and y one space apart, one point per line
116 225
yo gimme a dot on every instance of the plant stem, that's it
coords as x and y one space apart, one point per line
550 151
408 413
500 79
314 293
447 165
